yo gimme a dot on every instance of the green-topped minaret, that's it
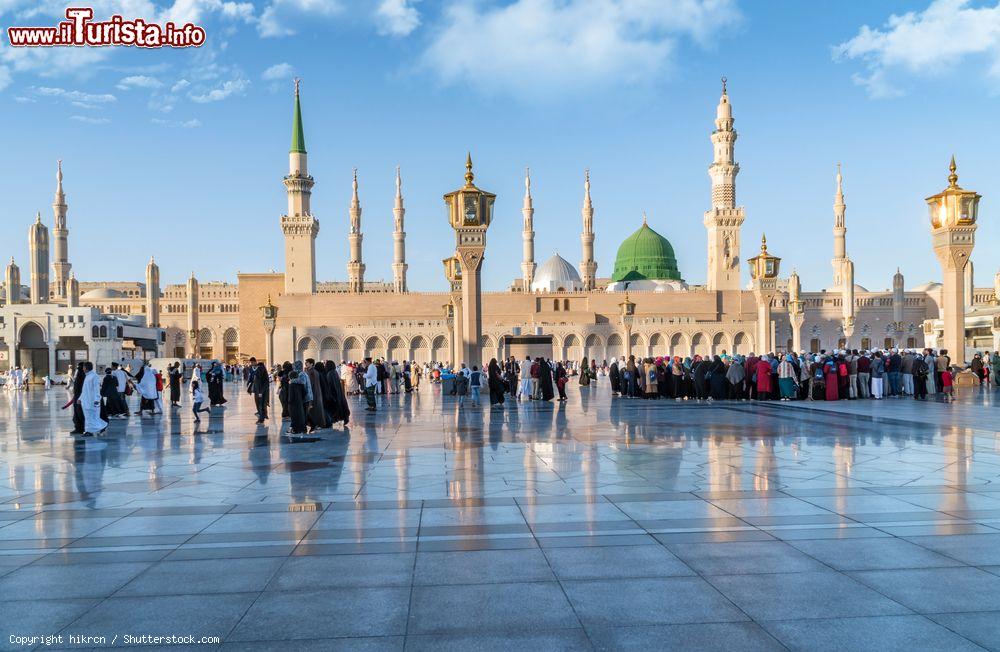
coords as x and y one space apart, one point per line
298 137
299 225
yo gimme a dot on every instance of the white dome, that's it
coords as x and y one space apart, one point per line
556 275
102 293
930 286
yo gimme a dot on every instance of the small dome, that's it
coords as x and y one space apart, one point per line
646 255
836 288
556 275
102 293
930 286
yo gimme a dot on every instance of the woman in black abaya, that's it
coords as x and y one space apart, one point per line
337 409
496 382
545 380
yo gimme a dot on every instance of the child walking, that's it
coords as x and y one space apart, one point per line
197 398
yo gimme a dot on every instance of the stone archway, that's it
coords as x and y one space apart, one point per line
33 351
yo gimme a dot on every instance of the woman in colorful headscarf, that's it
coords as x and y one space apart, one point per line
786 378
736 375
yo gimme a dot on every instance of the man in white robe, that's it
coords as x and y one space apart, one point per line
147 390
90 402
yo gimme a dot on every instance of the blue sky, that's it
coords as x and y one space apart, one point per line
180 154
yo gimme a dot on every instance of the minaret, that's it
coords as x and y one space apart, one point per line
588 266
724 220
152 293
298 225
898 298
12 281
996 285
399 265
796 312
847 297
839 232
38 248
527 236
355 266
192 316
72 291
60 234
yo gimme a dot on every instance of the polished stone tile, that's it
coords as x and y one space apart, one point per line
153 525
981 627
560 640
972 549
366 644
872 554
731 558
481 567
937 590
700 637
336 571
204 576
200 615
608 562
479 608
820 594
649 601
38 617
329 613
899 633
67 580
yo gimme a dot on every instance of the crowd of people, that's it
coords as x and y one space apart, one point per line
313 395
829 376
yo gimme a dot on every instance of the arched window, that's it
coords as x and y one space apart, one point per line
94 332
565 304
104 331
555 305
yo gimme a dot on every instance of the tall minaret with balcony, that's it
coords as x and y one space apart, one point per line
356 265
724 220
839 232
527 236
588 266
38 248
399 265
298 225
60 238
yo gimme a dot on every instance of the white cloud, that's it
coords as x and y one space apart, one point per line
277 72
20 99
85 106
533 48
930 42
396 17
281 17
219 93
74 96
138 81
86 119
183 124
179 86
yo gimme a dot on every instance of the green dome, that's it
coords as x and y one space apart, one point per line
646 255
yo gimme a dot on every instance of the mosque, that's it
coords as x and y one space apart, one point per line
643 307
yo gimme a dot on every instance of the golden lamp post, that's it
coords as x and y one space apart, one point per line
953 213
764 272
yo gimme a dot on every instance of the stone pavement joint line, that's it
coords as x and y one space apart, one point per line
596 524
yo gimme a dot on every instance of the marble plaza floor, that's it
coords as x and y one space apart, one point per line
598 524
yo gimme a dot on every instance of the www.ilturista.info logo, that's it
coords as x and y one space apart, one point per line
79 30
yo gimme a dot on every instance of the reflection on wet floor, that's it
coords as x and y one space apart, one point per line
596 523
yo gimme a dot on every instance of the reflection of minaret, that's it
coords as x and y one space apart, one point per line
192 316
766 468
724 220
724 464
588 266
399 265
527 236
299 226
38 246
958 453
355 266
843 460
839 232
60 235
152 293
12 282
403 476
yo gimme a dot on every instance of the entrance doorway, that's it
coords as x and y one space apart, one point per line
33 352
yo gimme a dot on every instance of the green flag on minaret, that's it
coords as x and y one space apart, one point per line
298 137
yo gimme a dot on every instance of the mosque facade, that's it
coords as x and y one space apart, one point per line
643 305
